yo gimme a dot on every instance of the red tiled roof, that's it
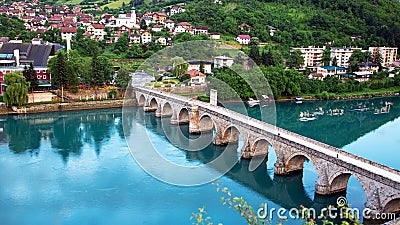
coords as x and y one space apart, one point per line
244 36
98 26
195 73
68 30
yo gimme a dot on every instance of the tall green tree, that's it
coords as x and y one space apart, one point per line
30 76
326 57
122 45
123 78
296 59
201 66
143 24
180 66
17 89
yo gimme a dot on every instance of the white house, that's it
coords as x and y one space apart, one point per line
200 30
68 32
196 77
331 70
162 40
195 65
223 61
96 31
134 38
243 39
169 24
157 28
145 37
215 36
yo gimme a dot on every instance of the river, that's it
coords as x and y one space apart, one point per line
76 168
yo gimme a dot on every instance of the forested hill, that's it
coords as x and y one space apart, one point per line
302 22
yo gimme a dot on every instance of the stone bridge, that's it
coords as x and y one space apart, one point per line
333 166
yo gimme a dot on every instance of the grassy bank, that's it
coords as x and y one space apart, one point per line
358 94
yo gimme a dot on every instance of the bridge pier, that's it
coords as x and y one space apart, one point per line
174 119
194 123
149 108
246 151
158 112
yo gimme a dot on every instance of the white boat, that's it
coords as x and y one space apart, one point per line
251 102
319 112
388 103
299 99
305 119
306 116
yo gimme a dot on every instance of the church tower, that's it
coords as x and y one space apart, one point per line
133 17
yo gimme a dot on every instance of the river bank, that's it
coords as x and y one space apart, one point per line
66 106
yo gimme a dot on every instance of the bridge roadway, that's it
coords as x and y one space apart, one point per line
334 166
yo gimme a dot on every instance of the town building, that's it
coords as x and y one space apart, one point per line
196 66
96 31
196 77
331 71
223 61
128 19
368 66
342 55
68 32
15 56
388 54
200 30
145 37
243 39
312 55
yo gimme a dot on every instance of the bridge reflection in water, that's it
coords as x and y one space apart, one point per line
333 166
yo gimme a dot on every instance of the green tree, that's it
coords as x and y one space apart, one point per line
180 66
123 78
326 57
296 59
17 89
30 76
122 45
202 66
143 24
356 58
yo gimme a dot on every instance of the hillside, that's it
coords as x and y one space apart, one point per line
302 22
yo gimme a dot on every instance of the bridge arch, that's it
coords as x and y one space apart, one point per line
153 103
230 134
166 110
260 147
295 162
183 116
141 100
392 206
206 123
339 181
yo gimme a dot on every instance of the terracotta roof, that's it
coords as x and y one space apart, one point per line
98 26
184 24
195 73
68 30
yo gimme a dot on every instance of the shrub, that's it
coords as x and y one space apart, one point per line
74 89
203 98
112 94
